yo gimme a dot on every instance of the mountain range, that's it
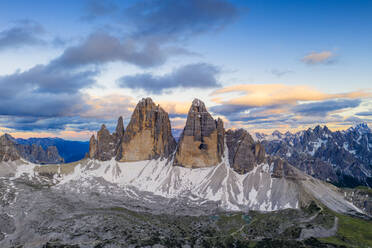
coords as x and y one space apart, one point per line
141 174
69 150
343 158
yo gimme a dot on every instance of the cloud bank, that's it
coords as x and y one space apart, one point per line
200 75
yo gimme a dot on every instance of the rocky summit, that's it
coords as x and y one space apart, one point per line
244 152
202 141
148 134
107 145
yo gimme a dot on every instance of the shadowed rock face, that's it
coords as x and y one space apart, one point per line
244 153
36 154
202 141
8 150
118 137
341 157
105 149
148 134
106 146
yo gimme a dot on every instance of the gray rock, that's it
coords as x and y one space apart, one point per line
10 151
343 158
105 144
244 153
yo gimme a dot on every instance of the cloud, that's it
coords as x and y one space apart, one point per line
22 33
280 73
88 113
259 106
324 107
43 91
200 75
101 47
364 113
175 109
109 106
179 19
228 109
325 57
256 95
94 9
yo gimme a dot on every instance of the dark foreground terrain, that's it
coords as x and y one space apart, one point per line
35 215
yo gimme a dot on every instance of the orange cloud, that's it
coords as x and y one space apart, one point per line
109 106
69 135
173 107
317 58
259 95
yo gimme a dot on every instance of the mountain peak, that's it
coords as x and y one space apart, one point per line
148 134
120 127
198 106
360 127
200 143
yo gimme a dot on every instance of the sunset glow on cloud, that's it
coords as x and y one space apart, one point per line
94 62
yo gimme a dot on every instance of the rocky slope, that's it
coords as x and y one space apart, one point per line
10 150
343 158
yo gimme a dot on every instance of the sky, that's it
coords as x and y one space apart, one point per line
66 67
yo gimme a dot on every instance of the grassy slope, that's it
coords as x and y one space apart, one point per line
352 232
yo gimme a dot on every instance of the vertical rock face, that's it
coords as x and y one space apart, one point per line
244 153
202 141
92 147
53 155
148 134
104 147
118 138
8 150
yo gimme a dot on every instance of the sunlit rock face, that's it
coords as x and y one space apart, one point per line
244 153
202 141
148 134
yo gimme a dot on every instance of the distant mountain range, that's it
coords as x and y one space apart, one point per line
69 150
343 158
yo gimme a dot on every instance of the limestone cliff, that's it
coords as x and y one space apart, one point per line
148 134
202 141
8 150
107 146
244 152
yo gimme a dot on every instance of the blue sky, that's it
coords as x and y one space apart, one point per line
68 66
